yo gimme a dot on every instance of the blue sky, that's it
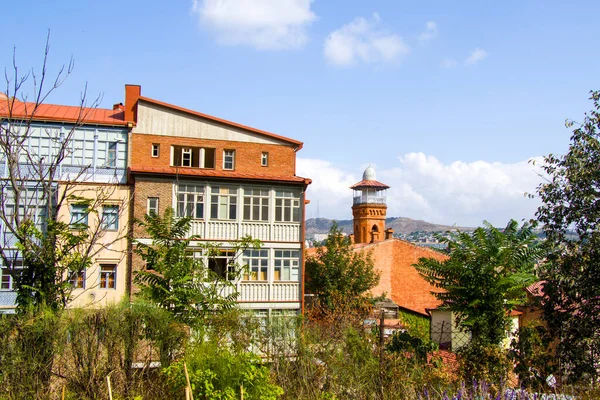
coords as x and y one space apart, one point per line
448 100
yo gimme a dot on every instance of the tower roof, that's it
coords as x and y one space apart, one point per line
369 181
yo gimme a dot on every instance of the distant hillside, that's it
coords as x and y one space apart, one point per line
400 225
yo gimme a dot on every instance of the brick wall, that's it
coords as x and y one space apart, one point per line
150 187
282 159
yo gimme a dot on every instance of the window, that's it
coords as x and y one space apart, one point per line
286 265
223 203
221 262
186 157
264 159
8 280
287 206
257 261
155 150
256 205
152 206
108 276
229 159
110 218
79 215
190 201
112 154
196 157
77 279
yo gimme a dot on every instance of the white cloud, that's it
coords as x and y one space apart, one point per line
263 24
363 41
422 187
429 33
448 63
476 56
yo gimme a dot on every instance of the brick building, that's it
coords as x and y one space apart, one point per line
233 181
393 258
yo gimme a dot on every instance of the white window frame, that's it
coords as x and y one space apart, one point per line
223 199
287 206
257 263
5 273
186 151
286 264
256 205
152 209
155 150
229 160
80 210
112 153
190 201
264 159
105 273
77 279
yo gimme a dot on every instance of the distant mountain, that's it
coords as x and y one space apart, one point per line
400 225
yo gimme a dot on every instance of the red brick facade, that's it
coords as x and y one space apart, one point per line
248 156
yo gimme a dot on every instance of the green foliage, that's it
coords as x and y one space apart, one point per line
487 363
28 342
417 325
337 271
177 281
484 277
217 372
404 342
532 354
570 200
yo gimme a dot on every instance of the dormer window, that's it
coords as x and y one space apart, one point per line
195 157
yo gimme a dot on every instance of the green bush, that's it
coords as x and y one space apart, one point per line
216 372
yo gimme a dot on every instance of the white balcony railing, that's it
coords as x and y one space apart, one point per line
369 200
266 292
225 230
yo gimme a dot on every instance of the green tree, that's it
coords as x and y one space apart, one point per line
177 281
484 277
570 214
338 272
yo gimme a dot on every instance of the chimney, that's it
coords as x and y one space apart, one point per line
119 107
389 233
132 94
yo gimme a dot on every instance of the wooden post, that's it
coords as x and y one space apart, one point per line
187 379
381 347
109 386
187 393
63 393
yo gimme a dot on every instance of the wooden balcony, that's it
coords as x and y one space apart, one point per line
266 232
250 292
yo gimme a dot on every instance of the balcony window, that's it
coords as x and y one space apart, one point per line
256 205
190 201
8 281
195 157
221 263
257 262
286 265
229 159
110 218
223 203
112 154
287 206
108 276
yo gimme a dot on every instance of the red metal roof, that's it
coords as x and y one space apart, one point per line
59 113
211 173
222 121
364 184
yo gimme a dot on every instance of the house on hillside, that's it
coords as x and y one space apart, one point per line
233 181
72 152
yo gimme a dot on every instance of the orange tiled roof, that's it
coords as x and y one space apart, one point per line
222 121
536 289
211 173
394 259
60 113
369 184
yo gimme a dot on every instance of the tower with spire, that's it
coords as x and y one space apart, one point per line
369 208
